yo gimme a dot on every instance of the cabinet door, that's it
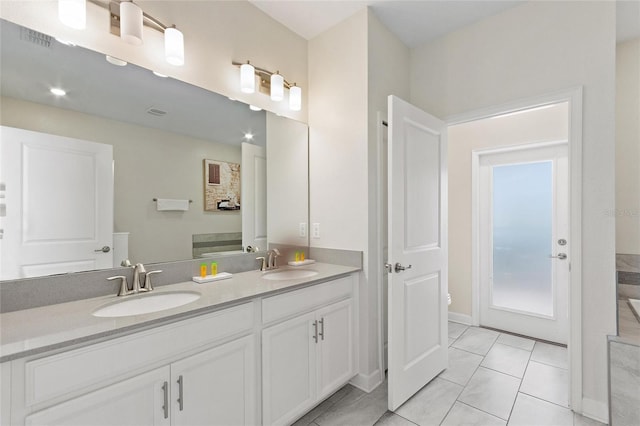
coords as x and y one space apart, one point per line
335 357
216 387
288 369
138 401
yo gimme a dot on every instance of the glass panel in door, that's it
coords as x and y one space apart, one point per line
522 225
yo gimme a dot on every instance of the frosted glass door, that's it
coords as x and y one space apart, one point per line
522 216
524 252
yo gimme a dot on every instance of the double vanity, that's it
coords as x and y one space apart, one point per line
257 348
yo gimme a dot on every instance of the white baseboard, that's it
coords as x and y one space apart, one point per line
595 410
461 318
366 382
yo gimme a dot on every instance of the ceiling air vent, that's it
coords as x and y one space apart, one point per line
157 112
35 37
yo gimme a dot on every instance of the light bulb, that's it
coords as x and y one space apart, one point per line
277 87
295 98
131 23
73 13
174 46
254 108
247 78
58 91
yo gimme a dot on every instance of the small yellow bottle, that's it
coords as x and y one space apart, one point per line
203 270
297 256
302 256
214 268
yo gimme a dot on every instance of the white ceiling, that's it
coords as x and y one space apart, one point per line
413 22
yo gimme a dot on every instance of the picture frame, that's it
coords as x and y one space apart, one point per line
221 186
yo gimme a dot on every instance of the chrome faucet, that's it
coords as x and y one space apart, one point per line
263 263
273 256
137 270
269 262
137 286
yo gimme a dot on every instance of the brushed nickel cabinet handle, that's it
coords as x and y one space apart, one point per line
315 331
322 328
180 395
165 407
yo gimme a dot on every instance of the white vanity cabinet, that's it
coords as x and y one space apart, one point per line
200 370
216 387
135 401
265 361
309 356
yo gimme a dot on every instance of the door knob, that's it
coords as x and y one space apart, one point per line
399 268
105 249
561 256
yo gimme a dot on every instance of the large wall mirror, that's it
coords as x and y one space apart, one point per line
229 177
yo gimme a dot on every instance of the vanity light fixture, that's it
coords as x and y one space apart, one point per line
73 13
277 87
295 98
248 136
247 78
254 108
157 74
174 46
131 23
126 21
270 82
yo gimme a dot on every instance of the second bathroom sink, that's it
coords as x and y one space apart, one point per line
290 274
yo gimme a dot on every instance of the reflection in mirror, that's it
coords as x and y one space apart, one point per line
80 172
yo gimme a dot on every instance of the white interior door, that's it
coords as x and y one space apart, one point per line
417 216
253 199
524 243
63 225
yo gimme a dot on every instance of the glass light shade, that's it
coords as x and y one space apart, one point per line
131 23
247 78
295 98
73 13
174 46
277 87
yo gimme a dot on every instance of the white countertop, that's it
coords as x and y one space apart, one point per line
37 330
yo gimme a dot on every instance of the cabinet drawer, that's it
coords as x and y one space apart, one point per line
286 305
56 375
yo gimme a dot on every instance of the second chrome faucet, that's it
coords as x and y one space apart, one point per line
270 262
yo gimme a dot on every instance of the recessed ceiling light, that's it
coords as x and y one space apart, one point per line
254 108
248 136
160 75
65 42
58 91
116 61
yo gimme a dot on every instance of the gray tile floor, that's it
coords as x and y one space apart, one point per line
493 379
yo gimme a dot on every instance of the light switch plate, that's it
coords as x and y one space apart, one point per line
316 230
303 229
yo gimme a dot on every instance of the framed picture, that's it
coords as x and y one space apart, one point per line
221 186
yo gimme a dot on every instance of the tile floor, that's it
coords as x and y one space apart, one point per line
493 379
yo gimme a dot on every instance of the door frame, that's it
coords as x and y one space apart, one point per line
574 99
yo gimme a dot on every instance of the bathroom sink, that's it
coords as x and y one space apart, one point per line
290 274
146 303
